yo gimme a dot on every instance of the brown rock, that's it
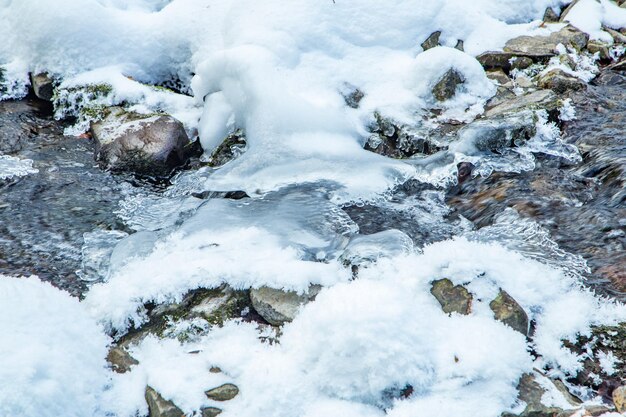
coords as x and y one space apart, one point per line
159 407
210 412
278 307
599 47
500 77
452 298
560 82
619 398
224 392
445 88
546 46
509 312
432 41
120 360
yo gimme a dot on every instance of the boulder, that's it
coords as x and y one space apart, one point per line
446 87
560 82
431 41
224 392
453 298
145 144
619 399
546 46
159 407
509 312
43 86
278 307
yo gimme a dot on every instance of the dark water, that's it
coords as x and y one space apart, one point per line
43 216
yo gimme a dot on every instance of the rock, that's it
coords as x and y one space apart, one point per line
352 95
509 312
120 360
459 45
159 407
546 46
210 412
432 41
224 392
452 298
599 47
446 86
524 81
540 99
617 36
521 62
500 77
531 392
619 399
550 16
139 143
219 305
278 307
560 82
43 86
495 59
498 133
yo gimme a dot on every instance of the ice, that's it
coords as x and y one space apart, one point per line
11 166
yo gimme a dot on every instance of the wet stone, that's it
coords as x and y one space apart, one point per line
453 298
509 312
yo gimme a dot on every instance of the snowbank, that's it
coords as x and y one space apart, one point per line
51 353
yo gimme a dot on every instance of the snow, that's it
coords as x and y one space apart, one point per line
590 15
51 352
360 341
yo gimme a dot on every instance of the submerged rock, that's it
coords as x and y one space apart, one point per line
278 307
139 143
159 407
446 87
453 298
224 392
509 312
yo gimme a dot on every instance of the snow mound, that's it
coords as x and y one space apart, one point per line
51 352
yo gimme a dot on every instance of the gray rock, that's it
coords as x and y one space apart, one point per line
521 62
120 360
617 36
540 99
550 16
546 46
453 298
560 82
278 307
619 399
43 86
159 407
498 133
432 41
509 312
210 412
139 143
446 87
460 45
224 392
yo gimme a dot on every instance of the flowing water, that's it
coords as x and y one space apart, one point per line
66 221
